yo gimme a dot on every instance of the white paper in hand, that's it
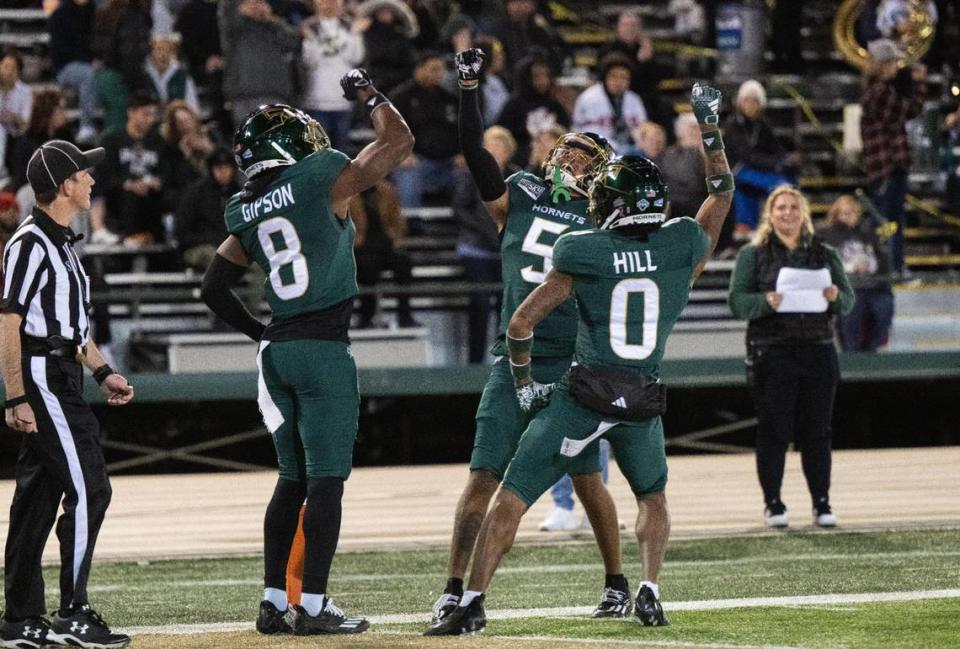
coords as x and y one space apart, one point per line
802 290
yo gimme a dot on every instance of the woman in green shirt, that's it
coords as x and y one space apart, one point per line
791 359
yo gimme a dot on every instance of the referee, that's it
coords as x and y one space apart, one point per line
43 343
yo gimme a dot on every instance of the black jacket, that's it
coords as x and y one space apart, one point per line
432 116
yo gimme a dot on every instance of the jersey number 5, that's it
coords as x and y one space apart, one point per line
298 277
618 318
532 245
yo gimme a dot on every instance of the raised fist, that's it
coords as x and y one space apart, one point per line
706 104
469 64
352 81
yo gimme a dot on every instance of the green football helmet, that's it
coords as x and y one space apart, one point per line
276 135
574 159
628 191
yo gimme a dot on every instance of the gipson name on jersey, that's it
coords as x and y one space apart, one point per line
278 199
559 214
633 261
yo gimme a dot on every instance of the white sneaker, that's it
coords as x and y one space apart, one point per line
824 517
86 135
777 520
105 237
559 520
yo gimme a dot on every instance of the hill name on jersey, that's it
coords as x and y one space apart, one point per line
632 261
278 199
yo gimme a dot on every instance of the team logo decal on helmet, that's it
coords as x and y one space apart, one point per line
628 191
275 136
572 162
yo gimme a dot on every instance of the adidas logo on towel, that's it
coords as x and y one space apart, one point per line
716 183
709 141
619 403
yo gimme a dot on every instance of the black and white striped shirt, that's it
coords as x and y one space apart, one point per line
44 282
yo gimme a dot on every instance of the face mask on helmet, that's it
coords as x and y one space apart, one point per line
573 161
628 192
275 136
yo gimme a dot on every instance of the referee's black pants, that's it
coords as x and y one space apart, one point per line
63 459
794 388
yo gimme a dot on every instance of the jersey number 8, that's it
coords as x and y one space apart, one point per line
289 255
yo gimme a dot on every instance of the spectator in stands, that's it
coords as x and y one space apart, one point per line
757 158
71 31
494 93
121 42
200 46
645 72
9 219
690 21
259 52
791 359
389 29
431 112
171 81
533 106
48 121
187 147
478 240
16 100
428 37
683 168
132 172
331 47
952 160
522 30
649 140
540 147
891 98
458 34
380 225
865 261
609 108
199 218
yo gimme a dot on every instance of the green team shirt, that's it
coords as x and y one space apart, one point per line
629 292
290 231
534 222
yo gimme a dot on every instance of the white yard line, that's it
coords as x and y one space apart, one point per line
573 611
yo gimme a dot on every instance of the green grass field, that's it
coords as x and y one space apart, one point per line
397 588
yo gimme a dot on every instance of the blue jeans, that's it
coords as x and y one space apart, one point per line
889 195
79 76
337 125
873 308
753 186
426 175
562 491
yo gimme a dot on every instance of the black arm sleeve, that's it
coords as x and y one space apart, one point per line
483 167
221 276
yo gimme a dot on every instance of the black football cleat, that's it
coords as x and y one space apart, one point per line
647 608
444 606
272 620
463 619
613 603
84 628
30 633
330 621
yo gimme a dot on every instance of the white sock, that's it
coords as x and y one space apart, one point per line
276 597
469 596
652 586
312 603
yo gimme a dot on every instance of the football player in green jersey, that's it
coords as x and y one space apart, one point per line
631 278
530 212
291 219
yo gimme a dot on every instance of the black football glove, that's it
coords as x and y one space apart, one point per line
352 81
469 64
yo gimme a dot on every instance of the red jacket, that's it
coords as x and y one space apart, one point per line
883 125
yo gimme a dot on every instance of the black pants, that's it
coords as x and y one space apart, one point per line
370 261
62 460
485 271
793 389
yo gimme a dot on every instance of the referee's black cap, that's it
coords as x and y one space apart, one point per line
57 160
